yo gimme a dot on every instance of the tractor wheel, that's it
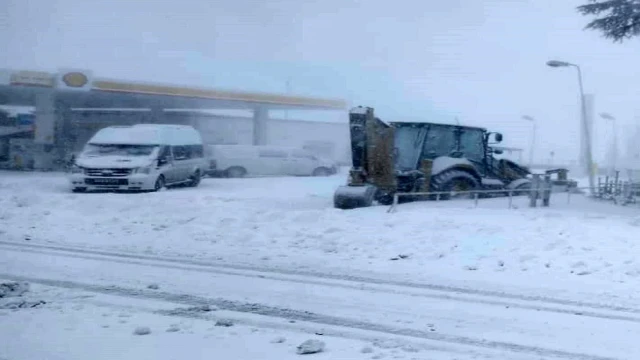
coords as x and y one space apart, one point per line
454 181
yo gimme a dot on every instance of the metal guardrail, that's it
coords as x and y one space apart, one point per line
438 195
543 193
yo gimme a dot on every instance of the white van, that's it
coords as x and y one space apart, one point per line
249 160
139 157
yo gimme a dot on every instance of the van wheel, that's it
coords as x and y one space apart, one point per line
160 183
236 172
321 171
194 180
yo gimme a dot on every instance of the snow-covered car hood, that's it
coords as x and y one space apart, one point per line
114 162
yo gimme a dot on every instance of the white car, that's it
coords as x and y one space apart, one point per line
139 157
250 160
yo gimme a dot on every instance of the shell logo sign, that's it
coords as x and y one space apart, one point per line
75 79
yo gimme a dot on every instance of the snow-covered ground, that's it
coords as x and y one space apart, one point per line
290 222
577 249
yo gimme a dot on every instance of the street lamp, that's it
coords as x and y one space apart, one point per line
585 127
533 138
614 141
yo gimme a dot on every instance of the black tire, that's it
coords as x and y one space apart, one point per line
160 183
454 180
321 171
194 180
236 172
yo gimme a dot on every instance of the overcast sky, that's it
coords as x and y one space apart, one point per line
480 61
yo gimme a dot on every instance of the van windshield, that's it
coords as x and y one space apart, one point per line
119 150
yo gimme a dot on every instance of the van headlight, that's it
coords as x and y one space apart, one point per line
75 169
143 170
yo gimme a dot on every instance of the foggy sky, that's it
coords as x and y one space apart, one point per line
480 61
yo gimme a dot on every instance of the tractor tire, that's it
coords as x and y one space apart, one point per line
454 180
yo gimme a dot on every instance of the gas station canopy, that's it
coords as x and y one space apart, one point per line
79 88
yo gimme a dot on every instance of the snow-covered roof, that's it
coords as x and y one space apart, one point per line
148 134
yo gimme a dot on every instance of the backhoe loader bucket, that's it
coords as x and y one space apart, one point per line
351 197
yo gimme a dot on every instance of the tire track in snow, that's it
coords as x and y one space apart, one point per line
306 316
538 303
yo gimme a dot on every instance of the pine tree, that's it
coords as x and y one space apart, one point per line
616 19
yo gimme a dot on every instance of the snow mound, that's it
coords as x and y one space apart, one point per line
142 330
224 323
278 340
366 350
310 347
173 328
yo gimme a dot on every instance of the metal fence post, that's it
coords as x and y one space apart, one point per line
475 199
533 194
546 193
394 204
510 199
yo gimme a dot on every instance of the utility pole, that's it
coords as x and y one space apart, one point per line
586 133
533 138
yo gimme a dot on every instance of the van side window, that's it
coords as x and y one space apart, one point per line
197 151
271 153
180 152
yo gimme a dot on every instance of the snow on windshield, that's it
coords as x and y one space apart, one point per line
119 150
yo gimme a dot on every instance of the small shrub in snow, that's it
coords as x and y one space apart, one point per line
310 347
142 330
153 287
224 322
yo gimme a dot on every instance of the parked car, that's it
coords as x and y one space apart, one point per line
139 157
250 160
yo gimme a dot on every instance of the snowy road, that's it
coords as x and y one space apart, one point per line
461 321
431 281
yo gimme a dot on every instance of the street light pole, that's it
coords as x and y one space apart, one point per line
585 125
533 137
614 142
